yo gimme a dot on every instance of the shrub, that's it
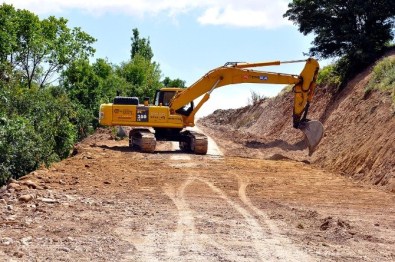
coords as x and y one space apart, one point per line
21 148
383 77
286 90
329 76
38 126
255 97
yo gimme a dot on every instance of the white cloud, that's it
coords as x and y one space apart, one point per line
242 17
247 13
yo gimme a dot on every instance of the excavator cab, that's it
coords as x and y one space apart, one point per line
164 96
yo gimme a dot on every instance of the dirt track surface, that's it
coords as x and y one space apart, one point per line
108 203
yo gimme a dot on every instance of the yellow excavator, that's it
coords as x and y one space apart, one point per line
173 108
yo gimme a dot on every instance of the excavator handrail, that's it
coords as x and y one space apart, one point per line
261 64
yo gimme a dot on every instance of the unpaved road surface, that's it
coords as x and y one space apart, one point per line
108 203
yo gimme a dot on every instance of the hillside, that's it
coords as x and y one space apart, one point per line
359 131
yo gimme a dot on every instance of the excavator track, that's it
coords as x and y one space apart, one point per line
194 142
142 139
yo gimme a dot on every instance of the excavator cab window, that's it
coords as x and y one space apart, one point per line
164 97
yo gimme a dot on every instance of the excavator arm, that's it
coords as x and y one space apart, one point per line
237 73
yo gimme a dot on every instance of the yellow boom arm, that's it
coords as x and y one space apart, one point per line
236 73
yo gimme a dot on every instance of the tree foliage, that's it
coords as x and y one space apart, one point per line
38 49
39 123
355 30
90 85
142 76
168 82
140 46
40 120
38 126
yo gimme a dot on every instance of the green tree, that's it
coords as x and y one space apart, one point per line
168 82
356 30
90 85
142 76
82 83
140 46
39 49
7 38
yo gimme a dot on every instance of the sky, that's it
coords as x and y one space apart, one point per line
189 37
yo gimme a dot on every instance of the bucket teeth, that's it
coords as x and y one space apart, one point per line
313 131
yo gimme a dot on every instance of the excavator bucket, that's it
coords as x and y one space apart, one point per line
313 131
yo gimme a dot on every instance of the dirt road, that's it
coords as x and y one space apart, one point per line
108 203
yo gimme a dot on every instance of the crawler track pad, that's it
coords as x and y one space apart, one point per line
313 131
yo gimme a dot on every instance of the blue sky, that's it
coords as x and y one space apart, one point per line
188 37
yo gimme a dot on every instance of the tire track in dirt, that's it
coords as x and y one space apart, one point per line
143 244
264 248
283 247
155 244
268 243
185 233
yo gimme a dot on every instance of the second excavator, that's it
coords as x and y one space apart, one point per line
173 109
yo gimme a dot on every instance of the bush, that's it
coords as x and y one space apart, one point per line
286 90
329 76
255 97
21 148
38 126
383 77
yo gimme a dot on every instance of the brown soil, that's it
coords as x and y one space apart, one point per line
263 199
108 203
359 131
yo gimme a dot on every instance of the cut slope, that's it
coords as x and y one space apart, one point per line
359 131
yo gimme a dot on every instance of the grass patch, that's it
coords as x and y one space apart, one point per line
383 77
327 76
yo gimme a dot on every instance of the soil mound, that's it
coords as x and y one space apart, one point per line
359 131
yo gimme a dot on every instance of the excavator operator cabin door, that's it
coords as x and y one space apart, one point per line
164 97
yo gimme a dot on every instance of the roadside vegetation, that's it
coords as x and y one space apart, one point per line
329 76
50 92
50 89
383 78
355 33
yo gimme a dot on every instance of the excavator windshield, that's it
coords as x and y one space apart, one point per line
163 97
